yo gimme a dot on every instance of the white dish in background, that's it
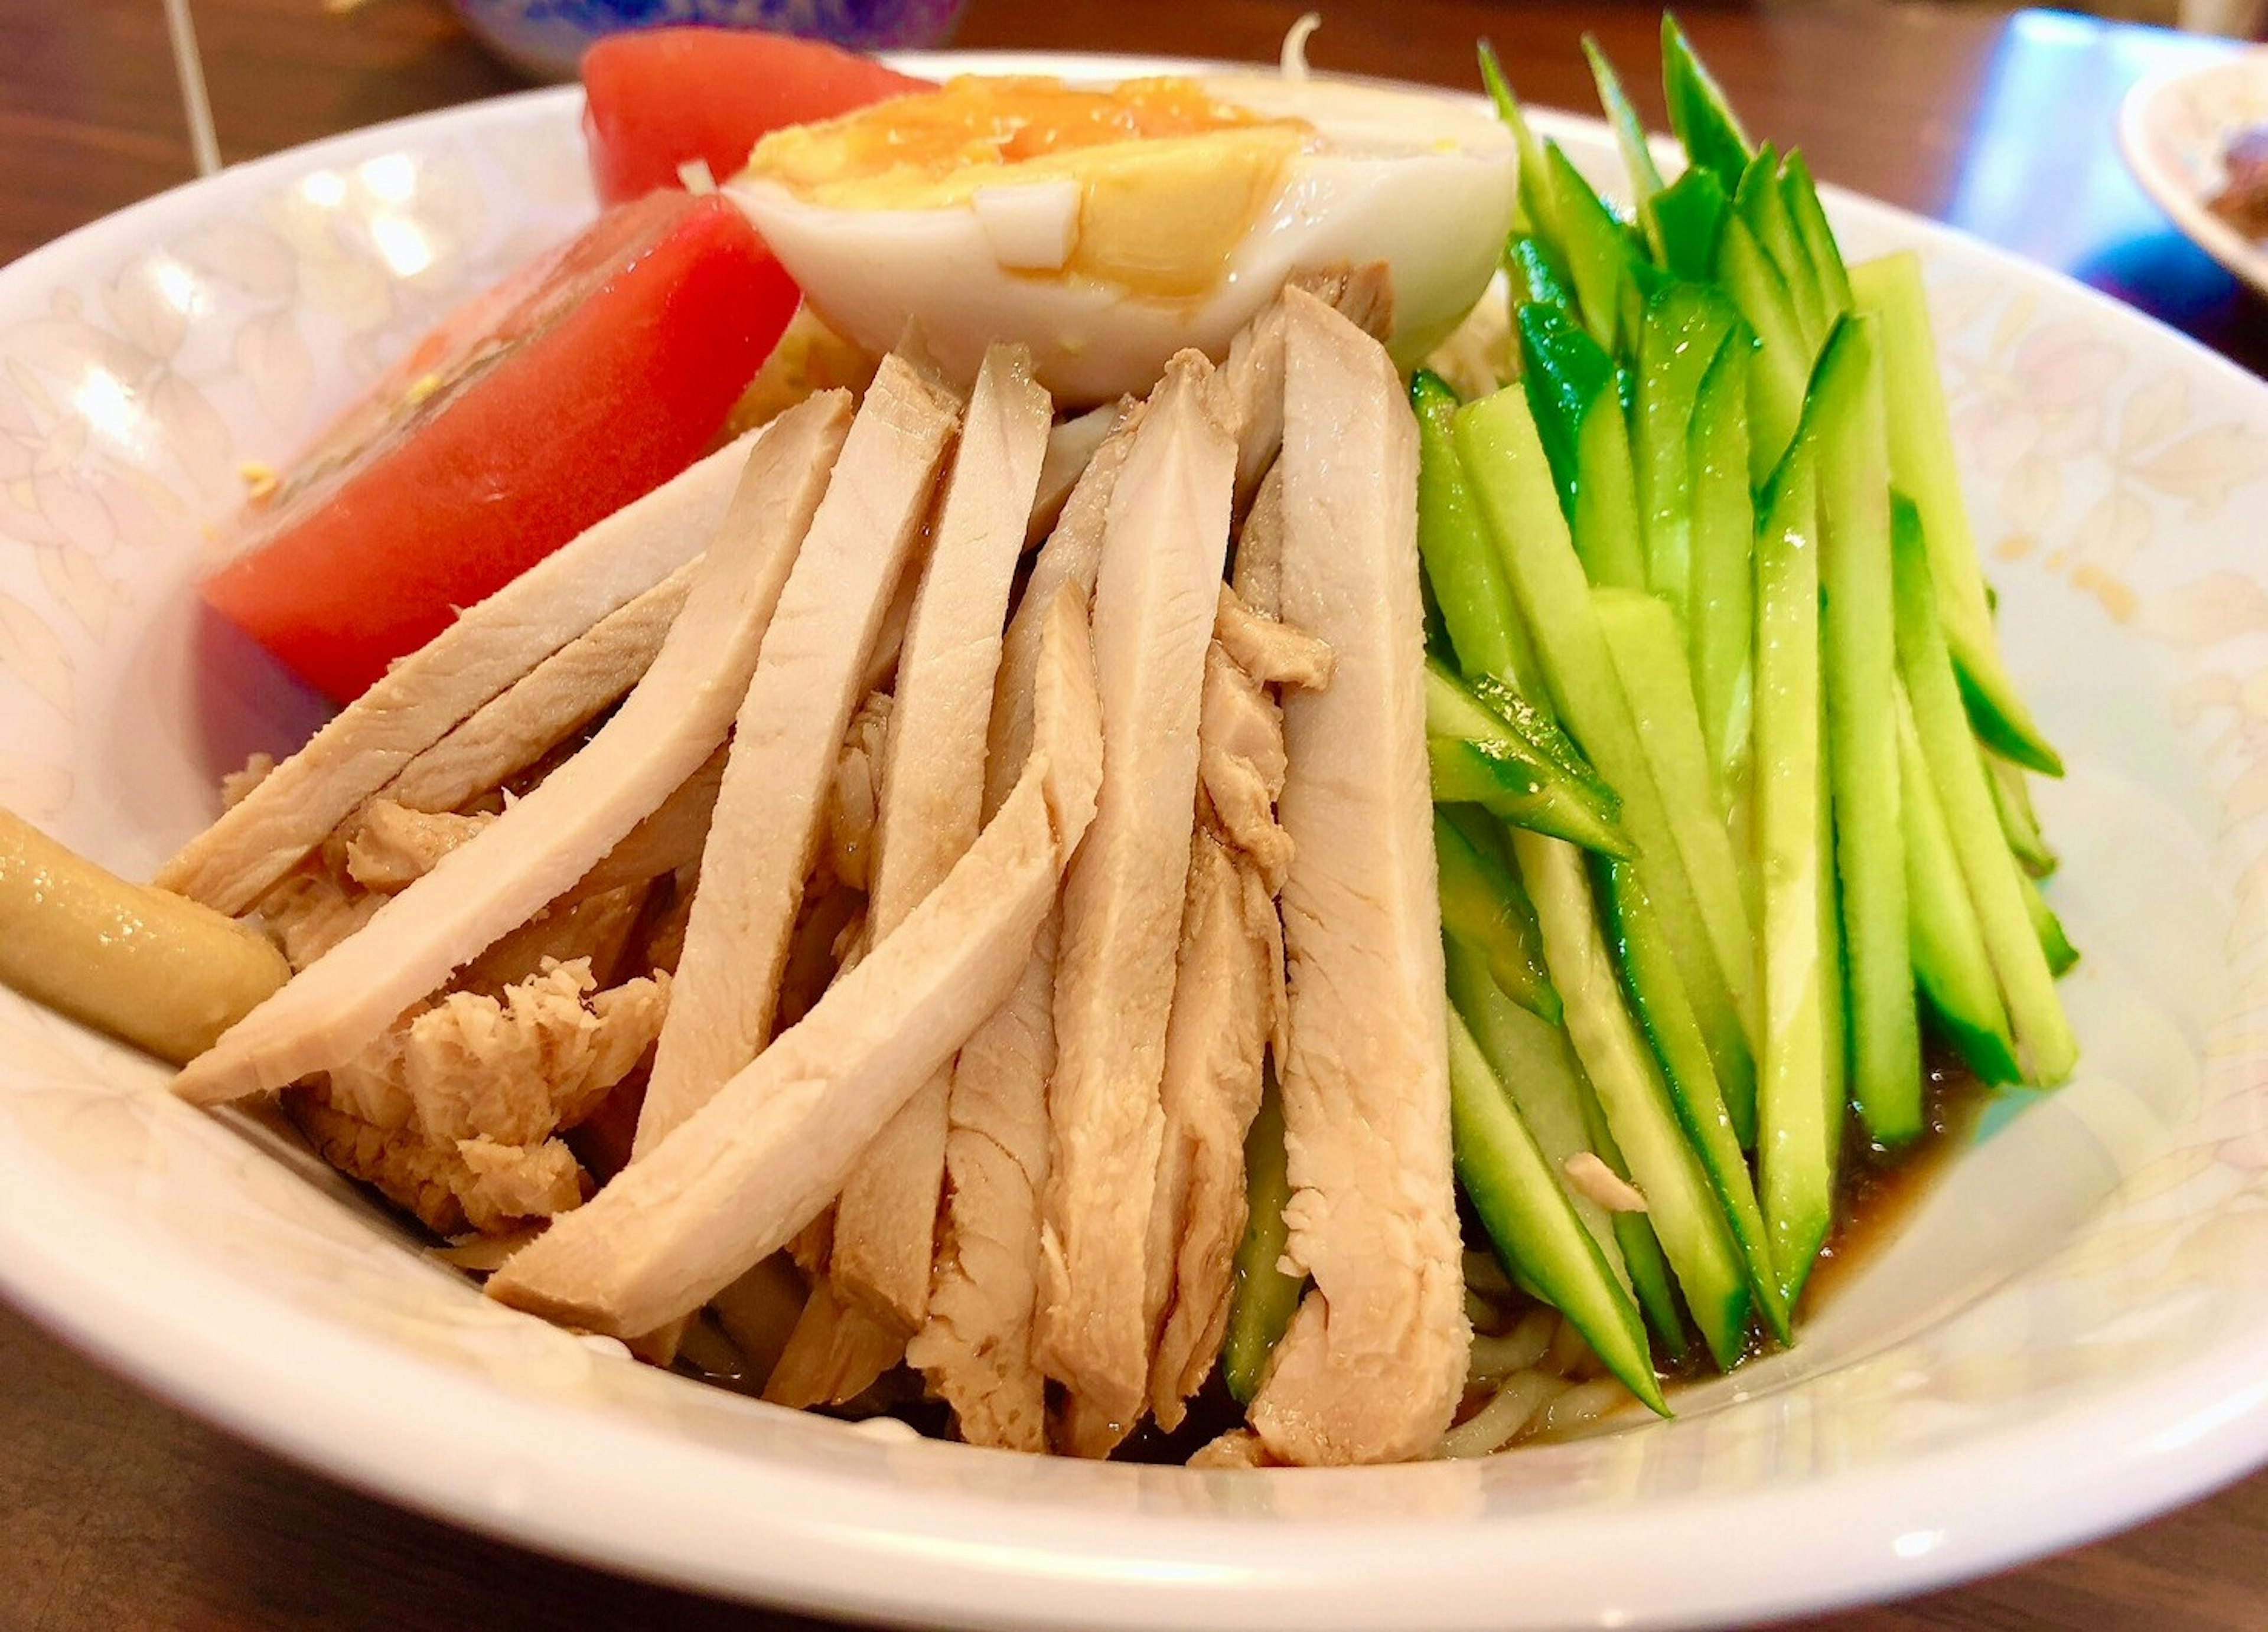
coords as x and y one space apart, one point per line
2071 1333
2174 126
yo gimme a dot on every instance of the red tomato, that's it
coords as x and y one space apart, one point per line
656 98
587 379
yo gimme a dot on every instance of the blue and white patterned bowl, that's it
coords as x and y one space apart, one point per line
545 39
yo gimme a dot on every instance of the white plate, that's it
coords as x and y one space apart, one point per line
2174 126
2072 1333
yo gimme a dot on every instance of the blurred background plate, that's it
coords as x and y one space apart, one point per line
2175 128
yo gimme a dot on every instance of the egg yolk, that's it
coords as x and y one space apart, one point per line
1169 179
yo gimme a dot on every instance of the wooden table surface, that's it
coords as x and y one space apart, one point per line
117 1512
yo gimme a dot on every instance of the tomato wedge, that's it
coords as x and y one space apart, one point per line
587 379
656 97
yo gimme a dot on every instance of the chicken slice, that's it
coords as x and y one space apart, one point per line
932 800
545 841
743 1173
393 846
1373 1363
834 1353
1259 573
975 1350
546 706
1072 556
764 833
1251 383
855 794
1156 595
1223 994
1072 447
1272 652
669 839
235 862
1240 766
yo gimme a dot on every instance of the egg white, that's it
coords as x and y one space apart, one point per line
1419 182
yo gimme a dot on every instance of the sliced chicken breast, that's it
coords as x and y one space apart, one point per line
1156 594
1375 1362
547 705
751 1166
932 800
671 721
977 1348
764 833
235 862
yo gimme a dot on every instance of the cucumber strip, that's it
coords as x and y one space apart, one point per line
1683 328
1537 213
1778 381
1826 256
1707 926
1479 756
1537 1066
1484 910
1630 134
1523 1205
2012 797
1684 221
1698 111
1719 625
1800 1080
2062 956
1605 522
1657 996
1680 1204
1264 1298
1597 250
1641 640
1763 206
1462 565
1949 959
1562 369
1574 394
1922 463
2043 1035
1845 417
1535 274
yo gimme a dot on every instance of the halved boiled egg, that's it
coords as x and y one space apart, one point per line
1107 227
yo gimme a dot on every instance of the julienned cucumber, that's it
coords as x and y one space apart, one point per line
1265 1298
1996 884
1484 907
1523 1205
1844 419
1487 748
1950 962
1462 565
1575 394
1708 933
1922 463
1641 638
1684 328
1680 1204
1800 1078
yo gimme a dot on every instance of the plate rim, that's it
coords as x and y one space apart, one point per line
2157 1458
